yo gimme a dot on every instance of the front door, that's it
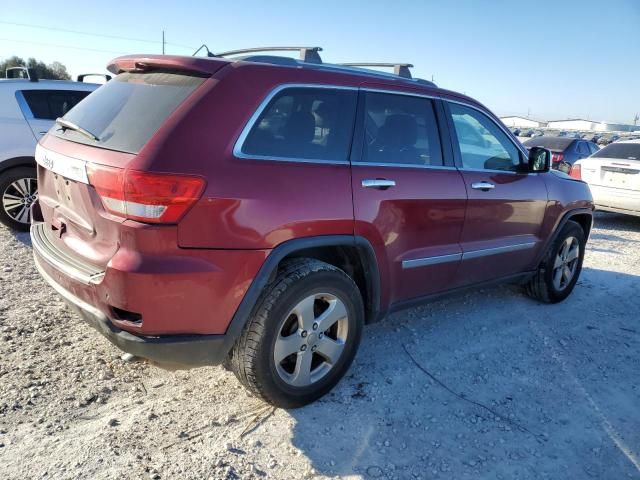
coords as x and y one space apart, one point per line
506 206
409 199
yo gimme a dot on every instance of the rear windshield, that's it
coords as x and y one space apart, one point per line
552 143
626 151
125 112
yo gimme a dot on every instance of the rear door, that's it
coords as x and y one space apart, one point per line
506 205
42 107
409 199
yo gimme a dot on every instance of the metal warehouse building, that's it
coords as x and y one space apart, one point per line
581 124
522 122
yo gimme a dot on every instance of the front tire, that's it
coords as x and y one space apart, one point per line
557 275
18 190
302 335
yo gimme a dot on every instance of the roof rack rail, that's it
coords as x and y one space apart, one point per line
307 54
400 69
21 72
85 75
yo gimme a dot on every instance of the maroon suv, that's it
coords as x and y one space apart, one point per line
258 211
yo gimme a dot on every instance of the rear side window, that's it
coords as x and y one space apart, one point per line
624 151
401 130
51 104
304 123
125 112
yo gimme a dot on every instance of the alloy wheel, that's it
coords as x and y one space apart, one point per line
18 197
311 339
566 263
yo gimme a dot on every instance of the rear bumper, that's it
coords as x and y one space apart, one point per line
616 199
178 350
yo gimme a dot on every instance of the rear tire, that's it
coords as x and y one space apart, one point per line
302 336
559 271
18 190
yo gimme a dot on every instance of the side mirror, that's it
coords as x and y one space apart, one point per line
539 159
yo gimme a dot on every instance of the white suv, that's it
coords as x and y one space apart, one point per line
28 109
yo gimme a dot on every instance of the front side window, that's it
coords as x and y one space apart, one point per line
52 104
400 129
304 124
482 144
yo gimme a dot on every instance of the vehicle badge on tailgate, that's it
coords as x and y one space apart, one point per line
47 162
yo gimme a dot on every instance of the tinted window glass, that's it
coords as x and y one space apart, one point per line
304 123
552 143
51 104
482 144
125 112
400 129
583 149
627 151
593 147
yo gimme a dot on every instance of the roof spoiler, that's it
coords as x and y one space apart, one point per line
22 72
85 75
145 63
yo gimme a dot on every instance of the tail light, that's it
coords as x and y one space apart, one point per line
557 157
576 171
146 197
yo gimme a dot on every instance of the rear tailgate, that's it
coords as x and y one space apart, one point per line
85 162
75 220
616 166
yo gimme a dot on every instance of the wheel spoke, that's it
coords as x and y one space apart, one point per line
20 187
22 215
11 201
304 312
331 315
286 346
558 262
557 277
302 374
330 349
573 253
567 274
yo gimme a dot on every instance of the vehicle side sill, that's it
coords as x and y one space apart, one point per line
518 278
605 208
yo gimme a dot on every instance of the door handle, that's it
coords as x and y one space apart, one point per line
484 186
379 183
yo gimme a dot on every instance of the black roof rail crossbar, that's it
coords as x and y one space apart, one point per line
85 75
400 69
21 72
307 54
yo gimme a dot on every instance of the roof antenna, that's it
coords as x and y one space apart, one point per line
209 54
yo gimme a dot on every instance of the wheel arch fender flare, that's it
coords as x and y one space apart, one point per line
583 213
269 268
17 162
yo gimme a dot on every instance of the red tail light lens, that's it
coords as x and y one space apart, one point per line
147 197
557 157
576 171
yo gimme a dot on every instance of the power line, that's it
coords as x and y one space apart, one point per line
63 46
78 32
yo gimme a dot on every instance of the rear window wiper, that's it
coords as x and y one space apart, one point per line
66 124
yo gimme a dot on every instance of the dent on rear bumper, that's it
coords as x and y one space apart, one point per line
176 291
187 350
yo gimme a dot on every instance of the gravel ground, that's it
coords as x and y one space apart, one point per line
486 385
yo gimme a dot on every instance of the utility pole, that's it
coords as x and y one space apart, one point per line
163 42
635 120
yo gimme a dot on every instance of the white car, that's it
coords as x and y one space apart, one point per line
28 109
613 174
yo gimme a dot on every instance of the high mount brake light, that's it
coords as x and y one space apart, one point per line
146 197
576 171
